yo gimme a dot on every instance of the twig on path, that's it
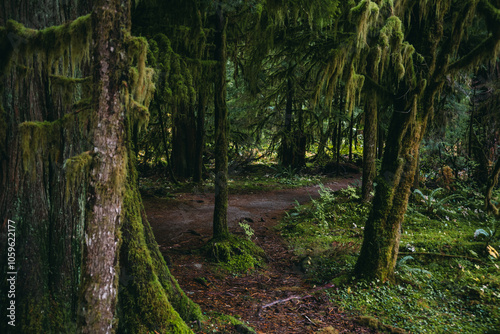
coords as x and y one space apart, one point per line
292 297
305 316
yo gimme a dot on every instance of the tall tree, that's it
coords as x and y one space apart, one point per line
86 258
430 35
220 228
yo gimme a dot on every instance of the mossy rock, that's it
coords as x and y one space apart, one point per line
234 254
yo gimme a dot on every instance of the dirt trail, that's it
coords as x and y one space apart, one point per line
185 222
176 221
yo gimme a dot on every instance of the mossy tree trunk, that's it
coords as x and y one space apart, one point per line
437 40
220 228
48 220
110 21
379 251
75 212
370 134
286 149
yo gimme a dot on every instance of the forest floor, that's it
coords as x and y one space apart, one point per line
273 299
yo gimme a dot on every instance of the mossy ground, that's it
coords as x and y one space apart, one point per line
447 280
235 254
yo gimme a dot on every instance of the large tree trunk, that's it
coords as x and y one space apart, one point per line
74 211
220 228
48 219
380 247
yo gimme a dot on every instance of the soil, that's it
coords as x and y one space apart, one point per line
273 299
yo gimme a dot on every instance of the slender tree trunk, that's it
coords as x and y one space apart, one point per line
339 144
108 171
287 150
200 137
220 228
351 135
165 146
369 145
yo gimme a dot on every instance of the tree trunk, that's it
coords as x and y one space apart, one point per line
380 247
183 141
220 228
369 145
200 137
73 212
108 168
351 125
286 149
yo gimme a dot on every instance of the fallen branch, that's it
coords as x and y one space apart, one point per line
293 297
443 255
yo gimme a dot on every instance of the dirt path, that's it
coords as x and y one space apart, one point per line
185 223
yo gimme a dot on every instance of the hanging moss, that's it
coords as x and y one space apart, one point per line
39 142
64 46
77 169
68 87
354 87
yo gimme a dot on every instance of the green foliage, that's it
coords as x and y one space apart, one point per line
432 203
439 287
249 232
323 236
236 255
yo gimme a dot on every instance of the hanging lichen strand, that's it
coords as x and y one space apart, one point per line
58 49
59 52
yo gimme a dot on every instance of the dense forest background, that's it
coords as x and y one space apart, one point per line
97 94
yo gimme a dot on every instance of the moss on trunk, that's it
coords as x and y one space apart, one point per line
220 228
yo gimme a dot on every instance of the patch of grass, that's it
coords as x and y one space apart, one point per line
448 276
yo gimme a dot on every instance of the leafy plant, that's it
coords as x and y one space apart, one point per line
432 204
249 232
402 266
284 172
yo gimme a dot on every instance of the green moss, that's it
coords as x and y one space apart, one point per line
77 168
64 46
39 142
150 298
235 254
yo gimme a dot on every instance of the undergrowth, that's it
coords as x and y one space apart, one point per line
448 273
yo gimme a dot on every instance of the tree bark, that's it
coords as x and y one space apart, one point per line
286 149
110 20
369 145
220 228
70 208
200 138
380 246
